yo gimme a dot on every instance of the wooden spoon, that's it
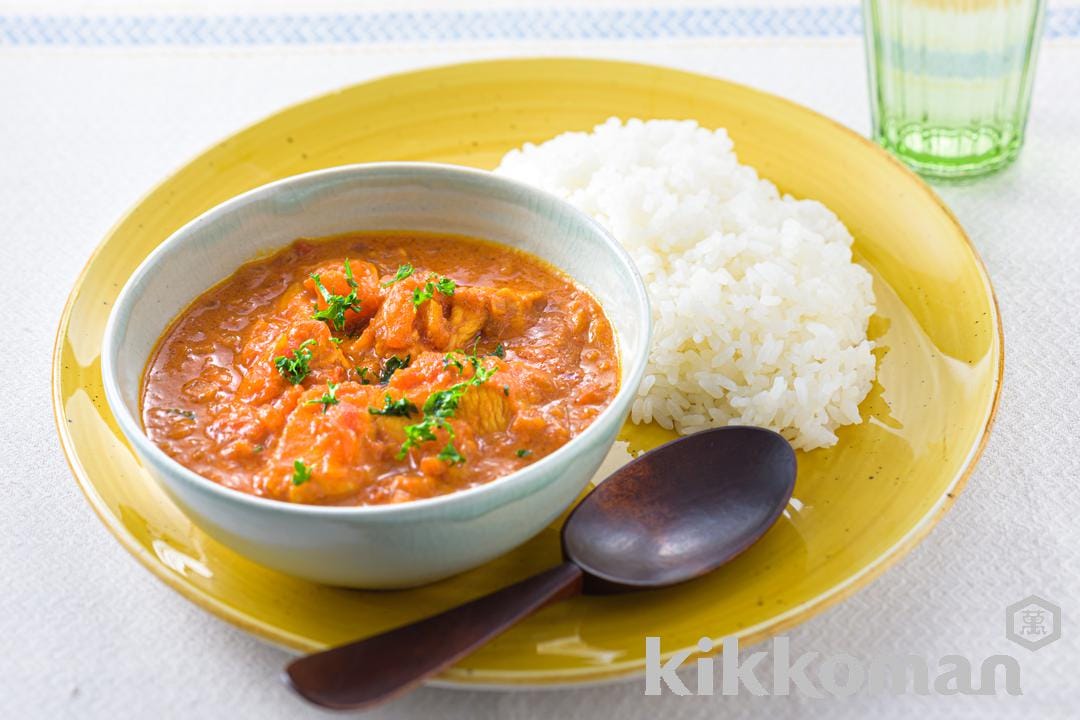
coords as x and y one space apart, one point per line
673 514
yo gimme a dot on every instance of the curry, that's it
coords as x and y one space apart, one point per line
379 368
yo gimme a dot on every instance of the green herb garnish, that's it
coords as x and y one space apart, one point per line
336 305
422 295
474 356
500 351
259 447
422 432
482 375
189 414
451 455
328 398
506 390
471 357
335 340
363 373
301 473
393 364
524 453
403 272
439 406
394 408
444 285
295 368
444 403
449 359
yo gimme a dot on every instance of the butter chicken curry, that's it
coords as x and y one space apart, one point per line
379 368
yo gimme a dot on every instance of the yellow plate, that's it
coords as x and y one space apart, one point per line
858 506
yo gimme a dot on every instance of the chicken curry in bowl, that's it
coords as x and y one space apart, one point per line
379 368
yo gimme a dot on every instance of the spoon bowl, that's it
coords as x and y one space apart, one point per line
680 511
673 514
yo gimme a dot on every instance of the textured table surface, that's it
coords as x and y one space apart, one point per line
93 112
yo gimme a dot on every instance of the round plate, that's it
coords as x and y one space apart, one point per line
858 506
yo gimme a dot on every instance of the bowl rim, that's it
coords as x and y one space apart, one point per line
504 485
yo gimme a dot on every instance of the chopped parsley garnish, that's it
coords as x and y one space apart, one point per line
524 453
336 305
259 447
189 414
473 358
395 408
483 374
444 403
363 373
328 398
444 285
422 295
393 364
295 368
441 405
301 473
335 340
403 272
422 432
451 455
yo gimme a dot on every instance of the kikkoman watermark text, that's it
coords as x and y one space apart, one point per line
1032 623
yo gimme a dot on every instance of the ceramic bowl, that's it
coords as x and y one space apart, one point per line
385 546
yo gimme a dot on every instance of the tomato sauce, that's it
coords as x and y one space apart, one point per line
379 368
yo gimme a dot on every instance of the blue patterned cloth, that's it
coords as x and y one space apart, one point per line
538 24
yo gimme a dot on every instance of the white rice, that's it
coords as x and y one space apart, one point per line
759 312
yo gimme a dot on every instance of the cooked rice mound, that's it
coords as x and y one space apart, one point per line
759 312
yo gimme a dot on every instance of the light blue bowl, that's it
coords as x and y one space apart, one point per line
385 546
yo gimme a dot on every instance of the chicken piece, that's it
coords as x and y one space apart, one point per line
486 408
401 327
393 328
444 323
499 313
338 445
428 371
528 385
468 314
434 327
481 409
336 282
390 428
512 312
262 381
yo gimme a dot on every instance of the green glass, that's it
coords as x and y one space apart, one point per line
950 81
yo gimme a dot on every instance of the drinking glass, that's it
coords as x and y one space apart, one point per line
950 81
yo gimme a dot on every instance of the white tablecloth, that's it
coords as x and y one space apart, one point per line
94 112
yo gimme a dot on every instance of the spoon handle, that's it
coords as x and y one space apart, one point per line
367 672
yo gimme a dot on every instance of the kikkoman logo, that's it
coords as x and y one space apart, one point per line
1033 622
836 675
